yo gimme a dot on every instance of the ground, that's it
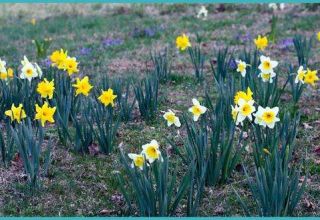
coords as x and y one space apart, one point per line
116 40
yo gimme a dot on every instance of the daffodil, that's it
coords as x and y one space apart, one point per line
107 97
241 67
29 70
70 65
197 110
16 113
234 113
318 36
245 110
203 13
311 77
151 151
82 86
182 42
137 160
46 88
247 96
267 65
10 72
300 75
266 117
171 118
58 57
45 113
3 66
261 42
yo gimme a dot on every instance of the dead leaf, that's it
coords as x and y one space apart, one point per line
309 205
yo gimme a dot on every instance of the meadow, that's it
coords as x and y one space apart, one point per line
159 110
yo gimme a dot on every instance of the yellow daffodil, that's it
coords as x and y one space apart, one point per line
311 77
300 75
46 88
82 86
243 95
182 42
107 97
197 110
245 110
241 67
16 113
137 160
171 118
266 117
10 73
151 151
261 42
3 75
45 113
70 65
58 57
318 36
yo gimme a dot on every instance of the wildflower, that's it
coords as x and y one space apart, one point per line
107 97
171 118
16 113
137 160
243 95
46 88
245 110
45 113
70 65
261 42
203 13
83 86
311 77
266 117
151 151
301 75
29 70
241 67
58 57
182 42
197 109
33 21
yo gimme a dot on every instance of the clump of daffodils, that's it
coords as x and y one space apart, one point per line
197 109
171 118
244 109
150 153
30 70
261 42
266 67
306 76
62 61
4 72
182 42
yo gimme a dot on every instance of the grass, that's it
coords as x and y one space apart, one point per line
85 185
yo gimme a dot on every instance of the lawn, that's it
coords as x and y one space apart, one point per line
116 41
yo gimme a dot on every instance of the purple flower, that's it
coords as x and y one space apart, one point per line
232 64
243 37
109 42
285 43
146 32
84 51
46 62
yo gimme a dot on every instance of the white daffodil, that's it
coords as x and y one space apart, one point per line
171 118
151 151
203 13
300 75
267 65
137 160
241 67
266 116
197 109
3 66
245 110
267 77
29 70
234 113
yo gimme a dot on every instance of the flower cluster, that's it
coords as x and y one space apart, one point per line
62 61
5 73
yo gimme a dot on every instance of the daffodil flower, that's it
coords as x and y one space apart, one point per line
245 110
266 117
182 42
151 151
261 42
197 110
300 75
247 96
241 67
137 160
171 119
16 113
311 77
